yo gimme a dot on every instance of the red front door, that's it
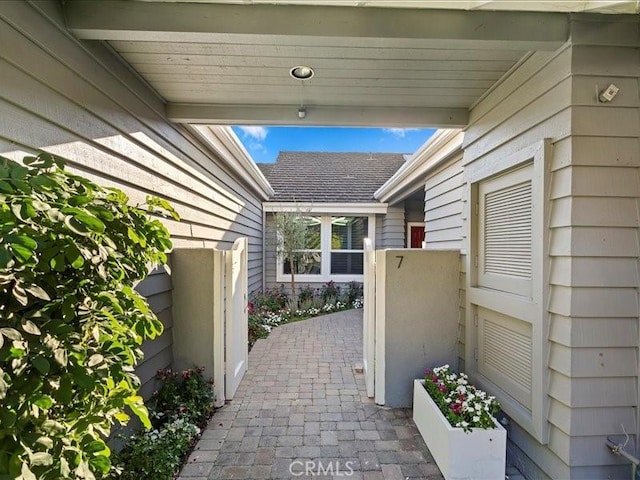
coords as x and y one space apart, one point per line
417 236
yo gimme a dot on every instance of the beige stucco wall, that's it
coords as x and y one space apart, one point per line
194 273
417 302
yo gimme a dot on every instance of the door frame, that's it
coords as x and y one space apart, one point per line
413 224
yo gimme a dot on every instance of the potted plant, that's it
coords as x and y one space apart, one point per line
457 423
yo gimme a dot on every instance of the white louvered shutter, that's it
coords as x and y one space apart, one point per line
505 232
505 353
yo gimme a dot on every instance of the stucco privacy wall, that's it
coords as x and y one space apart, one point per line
417 303
76 99
591 235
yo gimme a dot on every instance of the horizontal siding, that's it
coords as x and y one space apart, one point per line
531 104
593 238
79 101
597 219
463 313
378 242
393 228
270 259
443 206
157 353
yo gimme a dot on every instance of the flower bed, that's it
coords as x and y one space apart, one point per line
275 307
456 421
179 411
462 404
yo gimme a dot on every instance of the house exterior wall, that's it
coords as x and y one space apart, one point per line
77 100
591 292
443 206
270 259
393 228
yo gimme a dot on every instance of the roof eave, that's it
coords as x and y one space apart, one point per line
224 142
440 147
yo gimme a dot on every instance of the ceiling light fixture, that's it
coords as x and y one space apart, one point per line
301 72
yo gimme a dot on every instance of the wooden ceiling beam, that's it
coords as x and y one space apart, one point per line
206 22
403 117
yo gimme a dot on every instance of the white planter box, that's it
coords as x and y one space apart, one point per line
477 455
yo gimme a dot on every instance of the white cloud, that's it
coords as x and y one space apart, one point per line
399 132
259 133
257 147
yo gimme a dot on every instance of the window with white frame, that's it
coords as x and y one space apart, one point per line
347 245
335 249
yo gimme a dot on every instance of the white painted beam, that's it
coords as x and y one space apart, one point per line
205 22
327 208
317 115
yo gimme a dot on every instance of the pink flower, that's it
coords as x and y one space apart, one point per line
442 387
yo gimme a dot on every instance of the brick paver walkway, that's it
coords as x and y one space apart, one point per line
302 401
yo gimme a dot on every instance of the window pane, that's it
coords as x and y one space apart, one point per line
348 233
310 265
313 232
347 263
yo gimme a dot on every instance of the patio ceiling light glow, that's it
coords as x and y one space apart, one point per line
301 72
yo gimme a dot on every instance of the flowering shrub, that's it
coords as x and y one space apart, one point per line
329 290
157 454
354 292
462 404
185 395
179 410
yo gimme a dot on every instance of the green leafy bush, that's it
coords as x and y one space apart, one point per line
70 320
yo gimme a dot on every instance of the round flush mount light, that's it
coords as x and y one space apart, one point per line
301 72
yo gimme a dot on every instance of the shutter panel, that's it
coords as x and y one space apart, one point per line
505 353
505 250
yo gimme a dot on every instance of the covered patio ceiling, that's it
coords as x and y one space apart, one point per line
387 63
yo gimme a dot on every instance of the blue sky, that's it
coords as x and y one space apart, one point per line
264 143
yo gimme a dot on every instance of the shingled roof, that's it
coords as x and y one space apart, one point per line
324 177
